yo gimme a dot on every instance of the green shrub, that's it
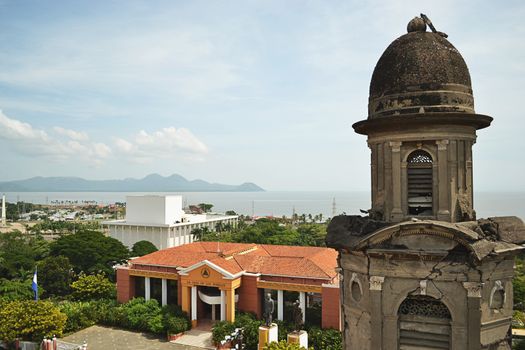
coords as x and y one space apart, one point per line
80 315
325 339
175 325
138 312
283 345
220 330
250 325
93 287
30 320
155 324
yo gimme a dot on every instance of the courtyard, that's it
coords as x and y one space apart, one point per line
106 338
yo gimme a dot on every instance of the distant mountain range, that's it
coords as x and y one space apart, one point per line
151 183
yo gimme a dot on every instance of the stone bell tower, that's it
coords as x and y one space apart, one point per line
421 127
419 272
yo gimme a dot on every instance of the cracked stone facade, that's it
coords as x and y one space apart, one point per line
420 272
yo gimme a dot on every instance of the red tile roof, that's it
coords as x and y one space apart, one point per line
275 260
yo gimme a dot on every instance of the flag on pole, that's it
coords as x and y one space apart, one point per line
34 285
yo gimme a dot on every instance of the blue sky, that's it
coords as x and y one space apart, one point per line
234 91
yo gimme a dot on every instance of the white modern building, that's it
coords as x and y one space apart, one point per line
162 221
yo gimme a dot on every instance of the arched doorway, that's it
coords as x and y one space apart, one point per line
424 324
420 185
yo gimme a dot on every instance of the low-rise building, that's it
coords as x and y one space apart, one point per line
162 221
211 280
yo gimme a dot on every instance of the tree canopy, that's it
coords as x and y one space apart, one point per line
91 251
55 274
143 248
18 254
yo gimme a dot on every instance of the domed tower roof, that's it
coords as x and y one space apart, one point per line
421 78
420 71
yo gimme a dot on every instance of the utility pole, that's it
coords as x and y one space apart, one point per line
334 208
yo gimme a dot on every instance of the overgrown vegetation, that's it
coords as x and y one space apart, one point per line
318 339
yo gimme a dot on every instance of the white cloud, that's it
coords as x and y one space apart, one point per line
72 134
30 141
177 143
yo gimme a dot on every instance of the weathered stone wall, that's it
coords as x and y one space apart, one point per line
374 288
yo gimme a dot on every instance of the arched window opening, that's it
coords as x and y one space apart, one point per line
419 175
424 324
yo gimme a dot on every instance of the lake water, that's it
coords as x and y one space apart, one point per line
279 203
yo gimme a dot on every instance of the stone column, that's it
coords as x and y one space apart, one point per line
147 288
473 314
164 292
397 213
280 305
223 305
194 306
376 316
302 304
443 184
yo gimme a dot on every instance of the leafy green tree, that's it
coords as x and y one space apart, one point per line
143 248
92 287
19 253
15 290
30 320
206 207
55 274
91 251
230 212
201 234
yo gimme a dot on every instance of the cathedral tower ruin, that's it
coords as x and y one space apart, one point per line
419 272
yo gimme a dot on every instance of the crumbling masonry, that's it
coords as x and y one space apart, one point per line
420 272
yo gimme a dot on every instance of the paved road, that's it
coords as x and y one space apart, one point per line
105 338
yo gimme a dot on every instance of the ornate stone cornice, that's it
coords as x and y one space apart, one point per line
442 145
473 289
396 146
376 282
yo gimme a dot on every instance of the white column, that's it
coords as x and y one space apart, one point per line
3 211
280 305
164 291
213 312
194 303
223 305
302 304
147 288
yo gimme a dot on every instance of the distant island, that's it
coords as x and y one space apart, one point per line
150 183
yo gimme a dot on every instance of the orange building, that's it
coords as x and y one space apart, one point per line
212 280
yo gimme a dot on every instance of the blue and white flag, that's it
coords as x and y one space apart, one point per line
34 285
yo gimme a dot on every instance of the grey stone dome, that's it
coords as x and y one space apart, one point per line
420 72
